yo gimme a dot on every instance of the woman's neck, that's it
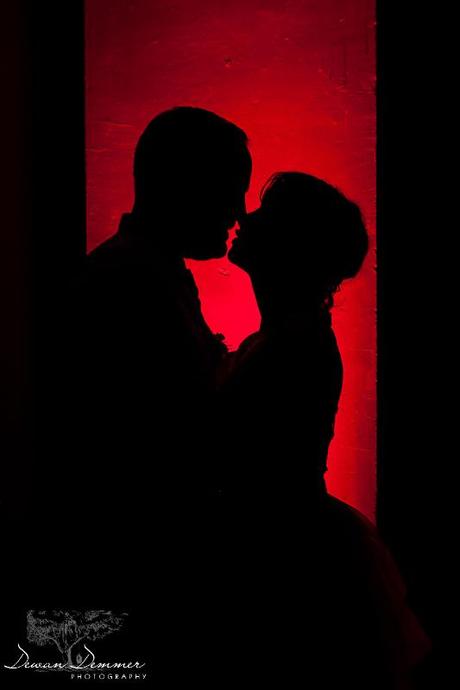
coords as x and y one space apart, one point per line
276 305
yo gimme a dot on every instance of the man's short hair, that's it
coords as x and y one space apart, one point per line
189 141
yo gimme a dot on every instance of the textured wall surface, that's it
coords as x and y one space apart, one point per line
299 77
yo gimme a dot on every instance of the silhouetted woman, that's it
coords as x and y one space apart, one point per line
297 248
326 568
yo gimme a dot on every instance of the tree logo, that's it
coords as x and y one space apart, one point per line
66 630
70 633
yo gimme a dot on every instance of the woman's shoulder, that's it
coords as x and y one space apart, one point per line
315 335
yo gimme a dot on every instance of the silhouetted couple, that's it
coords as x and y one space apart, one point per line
224 454
151 367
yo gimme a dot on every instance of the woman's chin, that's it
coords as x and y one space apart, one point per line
235 256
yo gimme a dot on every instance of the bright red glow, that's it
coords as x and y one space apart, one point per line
298 76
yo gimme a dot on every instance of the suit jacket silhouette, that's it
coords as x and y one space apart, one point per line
143 365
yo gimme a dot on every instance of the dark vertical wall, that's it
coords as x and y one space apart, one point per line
56 106
415 337
43 215
14 312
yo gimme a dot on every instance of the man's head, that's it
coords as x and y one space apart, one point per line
191 171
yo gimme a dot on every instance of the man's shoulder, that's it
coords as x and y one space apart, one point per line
119 255
117 264
125 278
110 255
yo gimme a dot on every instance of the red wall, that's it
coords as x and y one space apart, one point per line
299 77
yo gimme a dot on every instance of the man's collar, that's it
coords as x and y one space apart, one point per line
134 234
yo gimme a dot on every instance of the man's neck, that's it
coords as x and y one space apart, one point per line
141 230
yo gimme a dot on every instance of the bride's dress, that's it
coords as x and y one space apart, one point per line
280 393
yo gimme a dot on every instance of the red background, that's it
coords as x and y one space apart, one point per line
299 77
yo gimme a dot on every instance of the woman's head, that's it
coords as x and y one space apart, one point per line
306 236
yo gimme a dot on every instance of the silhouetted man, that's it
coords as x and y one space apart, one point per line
146 357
